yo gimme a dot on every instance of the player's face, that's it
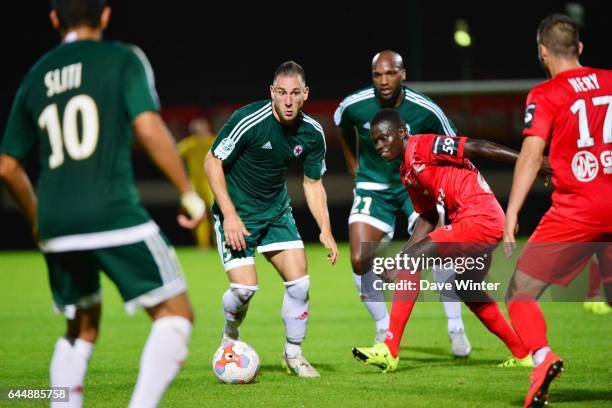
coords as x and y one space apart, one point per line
288 95
388 141
387 78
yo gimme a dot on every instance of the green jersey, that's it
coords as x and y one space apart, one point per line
355 112
78 101
256 150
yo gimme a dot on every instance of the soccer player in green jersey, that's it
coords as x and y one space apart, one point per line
379 195
247 169
81 102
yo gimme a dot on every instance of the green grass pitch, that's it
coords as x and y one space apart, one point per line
428 376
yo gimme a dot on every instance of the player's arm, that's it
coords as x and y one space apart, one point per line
233 227
157 141
528 165
480 148
15 178
426 223
316 197
348 141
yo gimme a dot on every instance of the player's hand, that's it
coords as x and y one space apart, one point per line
328 241
235 232
545 172
510 230
194 210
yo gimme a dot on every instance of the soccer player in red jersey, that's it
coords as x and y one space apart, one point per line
438 173
572 114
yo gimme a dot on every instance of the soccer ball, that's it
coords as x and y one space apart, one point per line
235 362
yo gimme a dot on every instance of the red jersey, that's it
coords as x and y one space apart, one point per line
573 113
435 171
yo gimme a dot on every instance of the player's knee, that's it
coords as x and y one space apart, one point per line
244 293
356 262
298 289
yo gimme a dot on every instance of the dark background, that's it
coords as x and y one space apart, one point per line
209 53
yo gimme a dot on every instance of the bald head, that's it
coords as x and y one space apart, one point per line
387 75
388 57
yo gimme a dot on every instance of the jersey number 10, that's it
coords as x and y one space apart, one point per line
585 139
78 148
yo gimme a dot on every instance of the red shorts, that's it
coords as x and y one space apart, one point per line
557 252
466 236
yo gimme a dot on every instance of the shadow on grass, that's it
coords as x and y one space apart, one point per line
575 395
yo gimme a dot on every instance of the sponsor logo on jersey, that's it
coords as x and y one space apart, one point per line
529 111
297 150
585 166
606 161
267 146
225 148
366 125
446 145
389 335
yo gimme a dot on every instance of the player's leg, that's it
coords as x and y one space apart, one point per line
460 345
592 303
240 269
284 249
604 257
556 253
291 265
488 311
236 299
386 355
372 219
148 275
76 293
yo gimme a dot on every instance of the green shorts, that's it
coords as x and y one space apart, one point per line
145 272
277 234
379 207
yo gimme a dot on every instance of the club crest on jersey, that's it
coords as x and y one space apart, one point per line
529 115
585 166
297 150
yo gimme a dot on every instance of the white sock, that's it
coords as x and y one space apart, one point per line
378 310
292 350
295 312
68 369
235 306
452 306
540 355
161 360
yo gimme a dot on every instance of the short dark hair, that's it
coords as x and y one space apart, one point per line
75 13
559 34
390 116
289 68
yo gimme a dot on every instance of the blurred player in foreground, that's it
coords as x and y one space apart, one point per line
572 113
81 101
379 193
437 171
247 168
193 150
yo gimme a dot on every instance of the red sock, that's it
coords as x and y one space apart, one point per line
594 279
400 313
401 308
493 319
529 323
